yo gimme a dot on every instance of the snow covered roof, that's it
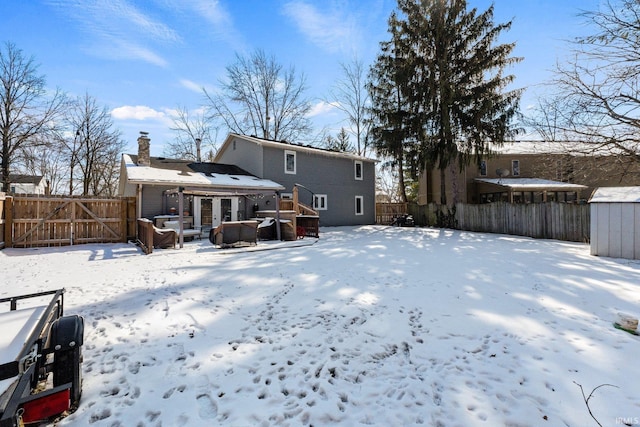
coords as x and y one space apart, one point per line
539 147
186 173
532 184
616 195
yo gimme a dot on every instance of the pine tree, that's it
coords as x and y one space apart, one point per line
452 85
388 85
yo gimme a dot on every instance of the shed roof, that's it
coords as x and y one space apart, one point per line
616 195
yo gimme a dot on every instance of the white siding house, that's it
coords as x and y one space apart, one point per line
615 222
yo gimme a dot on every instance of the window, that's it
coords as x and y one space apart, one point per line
286 196
358 170
483 168
320 202
515 167
290 162
359 205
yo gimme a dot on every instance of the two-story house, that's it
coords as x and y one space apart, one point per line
339 186
526 172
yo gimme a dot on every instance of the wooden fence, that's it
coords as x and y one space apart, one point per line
560 221
386 212
34 221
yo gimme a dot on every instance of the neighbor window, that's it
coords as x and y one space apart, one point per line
515 167
358 169
483 168
359 205
320 202
289 162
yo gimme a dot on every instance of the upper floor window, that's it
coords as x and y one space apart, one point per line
515 167
358 169
483 168
359 205
320 202
289 162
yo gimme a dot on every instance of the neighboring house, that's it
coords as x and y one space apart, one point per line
27 184
526 172
339 186
211 192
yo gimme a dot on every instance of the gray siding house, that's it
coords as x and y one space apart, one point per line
339 186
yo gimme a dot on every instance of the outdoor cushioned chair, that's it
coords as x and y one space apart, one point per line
232 233
164 238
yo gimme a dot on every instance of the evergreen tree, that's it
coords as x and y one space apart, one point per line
450 83
388 86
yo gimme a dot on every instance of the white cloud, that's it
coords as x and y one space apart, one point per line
138 112
196 87
117 29
332 31
322 108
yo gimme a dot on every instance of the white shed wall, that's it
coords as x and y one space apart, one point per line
615 230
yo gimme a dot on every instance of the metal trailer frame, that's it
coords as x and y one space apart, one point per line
53 346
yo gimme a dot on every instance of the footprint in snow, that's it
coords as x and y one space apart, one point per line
208 408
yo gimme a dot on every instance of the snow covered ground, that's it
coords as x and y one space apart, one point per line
365 326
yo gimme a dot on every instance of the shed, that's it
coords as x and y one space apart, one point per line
615 222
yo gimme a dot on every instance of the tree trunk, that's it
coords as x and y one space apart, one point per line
443 188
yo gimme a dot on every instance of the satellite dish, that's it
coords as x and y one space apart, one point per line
502 173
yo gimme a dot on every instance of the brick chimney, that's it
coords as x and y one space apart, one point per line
144 157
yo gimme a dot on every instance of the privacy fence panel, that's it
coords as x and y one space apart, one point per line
560 221
386 212
62 221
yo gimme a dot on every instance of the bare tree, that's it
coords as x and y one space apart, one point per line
27 113
350 95
596 101
387 182
261 98
95 148
193 136
49 161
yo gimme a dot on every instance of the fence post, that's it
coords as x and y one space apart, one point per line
8 222
124 219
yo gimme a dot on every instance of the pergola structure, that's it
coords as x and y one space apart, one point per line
181 192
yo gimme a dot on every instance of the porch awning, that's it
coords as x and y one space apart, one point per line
221 192
529 184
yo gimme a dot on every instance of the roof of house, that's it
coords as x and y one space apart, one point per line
25 179
285 145
531 184
540 147
616 195
170 172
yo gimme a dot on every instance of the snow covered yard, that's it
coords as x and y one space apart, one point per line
365 326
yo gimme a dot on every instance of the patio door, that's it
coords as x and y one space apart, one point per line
224 209
204 214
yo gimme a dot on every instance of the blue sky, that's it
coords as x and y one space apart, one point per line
143 59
